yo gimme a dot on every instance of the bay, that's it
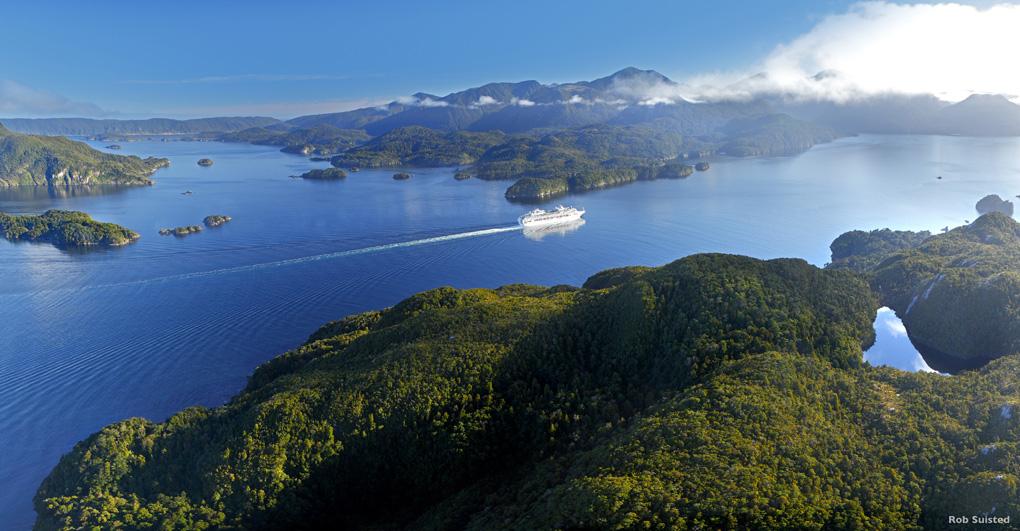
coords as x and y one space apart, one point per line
90 338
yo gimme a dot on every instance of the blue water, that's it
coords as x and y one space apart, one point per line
892 346
91 338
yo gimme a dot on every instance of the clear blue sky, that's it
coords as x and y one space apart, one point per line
184 59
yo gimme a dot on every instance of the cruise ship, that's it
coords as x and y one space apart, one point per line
538 216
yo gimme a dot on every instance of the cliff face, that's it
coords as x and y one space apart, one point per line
958 293
34 160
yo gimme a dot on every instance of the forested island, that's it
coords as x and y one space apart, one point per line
215 220
65 228
715 392
328 174
181 231
55 160
567 133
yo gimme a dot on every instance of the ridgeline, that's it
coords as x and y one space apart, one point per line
35 160
716 392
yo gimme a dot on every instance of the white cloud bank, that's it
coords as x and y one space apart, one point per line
949 50
17 100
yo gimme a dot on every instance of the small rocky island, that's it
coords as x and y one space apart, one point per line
402 176
205 162
329 174
114 146
994 203
65 228
462 175
181 231
701 166
215 220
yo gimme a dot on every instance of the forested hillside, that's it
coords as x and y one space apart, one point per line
55 160
958 293
716 392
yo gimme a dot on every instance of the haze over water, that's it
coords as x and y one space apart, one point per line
166 323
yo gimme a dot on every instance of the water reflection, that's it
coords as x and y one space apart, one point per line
561 229
892 346
43 193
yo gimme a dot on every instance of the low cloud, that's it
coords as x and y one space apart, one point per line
485 100
521 102
949 50
658 100
647 88
17 100
421 102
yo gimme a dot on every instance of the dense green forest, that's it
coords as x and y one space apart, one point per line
55 160
716 392
321 139
420 147
64 228
772 134
958 293
328 174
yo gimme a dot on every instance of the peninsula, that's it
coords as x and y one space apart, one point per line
714 392
36 160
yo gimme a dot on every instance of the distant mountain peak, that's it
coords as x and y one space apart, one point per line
986 99
828 74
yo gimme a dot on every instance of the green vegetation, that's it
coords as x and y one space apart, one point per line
319 139
420 147
401 176
535 188
462 175
65 228
328 174
205 162
567 153
862 251
772 134
701 166
215 220
530 188
181 231
994 203
254 135
45 160
957 293
717 392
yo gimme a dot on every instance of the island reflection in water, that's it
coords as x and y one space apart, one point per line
892 345
560 229
47 193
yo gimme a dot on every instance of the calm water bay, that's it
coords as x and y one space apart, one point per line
90 338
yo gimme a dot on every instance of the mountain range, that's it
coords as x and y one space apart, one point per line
628 97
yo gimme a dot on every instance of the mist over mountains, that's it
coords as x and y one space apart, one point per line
629 97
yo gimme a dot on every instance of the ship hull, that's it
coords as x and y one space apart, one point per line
552 218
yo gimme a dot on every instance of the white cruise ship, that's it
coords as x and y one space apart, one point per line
538 216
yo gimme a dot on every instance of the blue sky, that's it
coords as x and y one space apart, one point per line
185 59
